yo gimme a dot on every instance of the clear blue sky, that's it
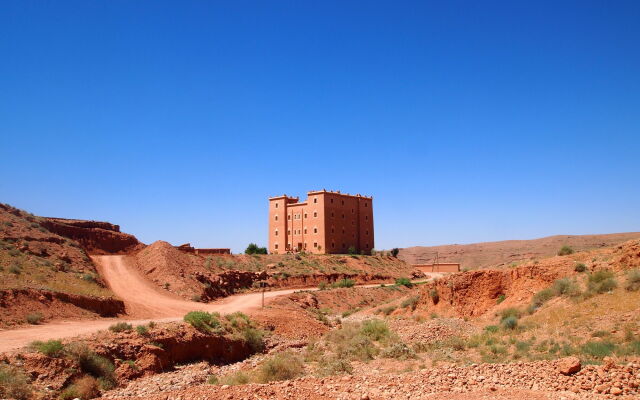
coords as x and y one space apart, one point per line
467 121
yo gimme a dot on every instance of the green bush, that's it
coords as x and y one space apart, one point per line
203 321
323 285
142 330
580 267
13 383
349 343
395 251
352 250
565 251
602 281
601 276
633 280
492 328
91 363
34 318
344 283
509 312
404 282
542 297
121 327
411 302
510 323
500 299
281 367
375 329
253 248
598 349
50 348
565 287
15 269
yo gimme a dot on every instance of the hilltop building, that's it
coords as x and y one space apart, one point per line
326 223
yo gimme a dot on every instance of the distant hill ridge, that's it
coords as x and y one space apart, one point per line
492 254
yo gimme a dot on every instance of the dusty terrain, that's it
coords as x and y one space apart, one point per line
204 278
493 254
45 276
534 326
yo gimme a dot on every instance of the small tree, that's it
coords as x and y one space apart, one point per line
352 250
254 249
395 251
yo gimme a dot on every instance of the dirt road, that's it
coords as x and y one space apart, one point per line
143 302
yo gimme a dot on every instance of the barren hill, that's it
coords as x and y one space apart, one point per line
490 254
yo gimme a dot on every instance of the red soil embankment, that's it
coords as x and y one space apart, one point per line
16 304
94 236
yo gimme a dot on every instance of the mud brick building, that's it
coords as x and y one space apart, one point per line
327 222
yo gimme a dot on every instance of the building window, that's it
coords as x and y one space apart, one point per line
366 217
305 215
305 231
343 231
332 230
333 245
342 202
315 214
276 232
305 245
288 232
331 201
315 200
315 230
331 215
275 246
276 207
289 217
365 204
342 216
367 232
352 211
276 217
315 244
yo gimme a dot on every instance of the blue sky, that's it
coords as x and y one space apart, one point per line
467 121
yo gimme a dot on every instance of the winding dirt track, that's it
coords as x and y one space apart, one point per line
143 303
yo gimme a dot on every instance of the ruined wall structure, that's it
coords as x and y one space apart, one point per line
326 223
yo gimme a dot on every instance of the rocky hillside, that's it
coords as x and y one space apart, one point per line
45 275
493 254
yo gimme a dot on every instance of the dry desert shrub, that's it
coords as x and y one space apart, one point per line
13 383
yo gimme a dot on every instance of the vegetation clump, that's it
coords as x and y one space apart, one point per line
121 327
50 348
344 283
565 251
404 282
13 383
203 321
34 318
601 281
580 267
633 280
281 367
92 364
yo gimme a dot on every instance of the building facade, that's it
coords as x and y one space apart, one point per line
326 223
